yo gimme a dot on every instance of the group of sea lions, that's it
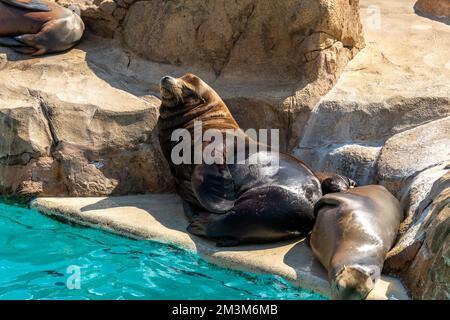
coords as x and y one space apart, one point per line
351 229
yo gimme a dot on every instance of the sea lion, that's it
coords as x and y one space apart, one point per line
37 27
333 182
234 203
353 232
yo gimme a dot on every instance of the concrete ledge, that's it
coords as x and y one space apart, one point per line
160 217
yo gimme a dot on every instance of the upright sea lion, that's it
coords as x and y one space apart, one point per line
37 27
354 231
234 203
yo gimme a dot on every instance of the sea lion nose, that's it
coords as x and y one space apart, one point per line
167 80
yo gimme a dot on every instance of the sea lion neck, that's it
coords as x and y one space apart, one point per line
209 114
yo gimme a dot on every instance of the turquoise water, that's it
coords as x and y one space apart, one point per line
41 258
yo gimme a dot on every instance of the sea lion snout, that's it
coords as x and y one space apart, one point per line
354 282
167 83
189 91
351 183
169 88
167 80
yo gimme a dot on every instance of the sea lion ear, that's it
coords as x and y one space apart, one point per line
75 9
32 5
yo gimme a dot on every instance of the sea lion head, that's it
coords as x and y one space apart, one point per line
189 91
354 282
337 183
75 9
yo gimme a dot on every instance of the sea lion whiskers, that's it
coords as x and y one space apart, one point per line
354 281
171 91
176 92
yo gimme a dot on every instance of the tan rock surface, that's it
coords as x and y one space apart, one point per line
386 121
420 255
280 57
396 83
412 151
90 107
161 218
97 139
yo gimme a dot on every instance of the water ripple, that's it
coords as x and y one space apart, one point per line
35 252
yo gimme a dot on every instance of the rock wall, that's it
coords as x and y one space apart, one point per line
296 49
64 131
80 123
387 121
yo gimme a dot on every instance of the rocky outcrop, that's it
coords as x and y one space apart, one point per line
438 9
103 17
249 39
421 253
66 131
410 152
282 56
387 121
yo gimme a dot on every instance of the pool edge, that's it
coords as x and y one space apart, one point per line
143 217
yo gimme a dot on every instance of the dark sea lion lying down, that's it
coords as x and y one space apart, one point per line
234 203
38 26
354 231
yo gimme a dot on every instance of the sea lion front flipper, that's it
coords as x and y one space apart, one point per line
205 225
10 42
33 5
16 45
213 186
325 201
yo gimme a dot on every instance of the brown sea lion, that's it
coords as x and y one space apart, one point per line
37 27
234 203
353 232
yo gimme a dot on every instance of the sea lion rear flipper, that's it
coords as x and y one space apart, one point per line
33 5
213 186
